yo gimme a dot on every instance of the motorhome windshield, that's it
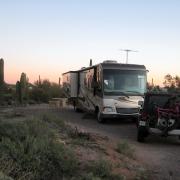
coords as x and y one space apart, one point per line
118 82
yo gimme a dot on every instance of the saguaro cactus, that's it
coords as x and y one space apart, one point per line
2 84
1 72
22 88
18 92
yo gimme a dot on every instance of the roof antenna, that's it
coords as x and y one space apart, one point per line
127 53
90 63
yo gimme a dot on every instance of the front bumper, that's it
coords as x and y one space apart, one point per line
119 115
174 132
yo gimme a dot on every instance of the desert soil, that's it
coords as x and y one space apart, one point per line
161 155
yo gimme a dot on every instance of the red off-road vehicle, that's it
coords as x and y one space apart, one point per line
160 114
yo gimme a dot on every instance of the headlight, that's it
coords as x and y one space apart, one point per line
140 103
108 109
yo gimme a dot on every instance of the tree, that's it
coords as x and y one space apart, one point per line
168 81
172 83
177 81
45 90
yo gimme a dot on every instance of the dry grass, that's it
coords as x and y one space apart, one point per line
45 147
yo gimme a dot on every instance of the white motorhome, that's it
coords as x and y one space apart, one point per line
110 89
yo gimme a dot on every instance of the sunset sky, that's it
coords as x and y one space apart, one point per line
49 37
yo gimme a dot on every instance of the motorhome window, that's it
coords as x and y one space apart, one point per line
98 79
88 81
124 81
83 74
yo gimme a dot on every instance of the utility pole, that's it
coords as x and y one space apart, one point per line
127 53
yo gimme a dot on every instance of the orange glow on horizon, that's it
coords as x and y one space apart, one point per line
12 76
52 72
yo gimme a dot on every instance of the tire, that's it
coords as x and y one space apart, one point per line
100 119
141 134
77 110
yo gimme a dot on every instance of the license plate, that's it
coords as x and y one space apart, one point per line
142 123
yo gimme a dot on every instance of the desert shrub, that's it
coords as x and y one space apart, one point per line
45 90
142 174
4 177
89 176
54 121
39 95
79 137
29 150
124 148
101 169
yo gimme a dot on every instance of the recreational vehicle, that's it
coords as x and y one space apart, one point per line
109 89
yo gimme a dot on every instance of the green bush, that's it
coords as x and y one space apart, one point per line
101 169
90 176
4 177
124 148
79 137
142 174
29 150
55 121
43 91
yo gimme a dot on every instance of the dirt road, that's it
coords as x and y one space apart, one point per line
162 155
